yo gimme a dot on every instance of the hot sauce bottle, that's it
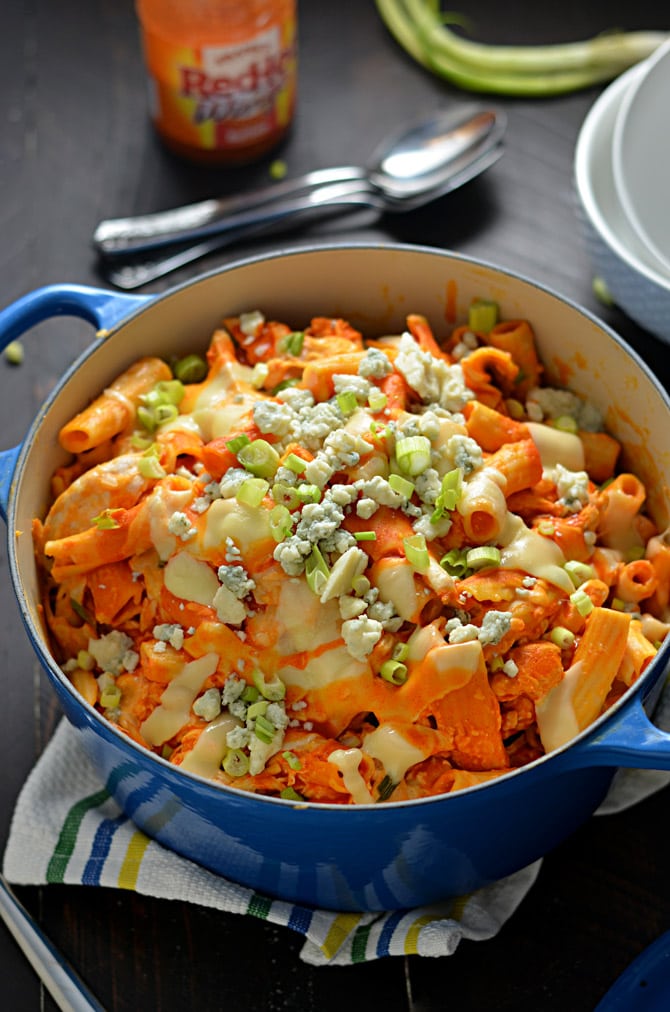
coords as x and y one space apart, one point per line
222 75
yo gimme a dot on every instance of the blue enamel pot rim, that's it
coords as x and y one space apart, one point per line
622 736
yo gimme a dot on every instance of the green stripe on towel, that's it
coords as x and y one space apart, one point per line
67 838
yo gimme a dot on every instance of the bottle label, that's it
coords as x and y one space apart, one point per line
224 97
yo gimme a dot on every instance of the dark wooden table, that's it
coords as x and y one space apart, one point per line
76 146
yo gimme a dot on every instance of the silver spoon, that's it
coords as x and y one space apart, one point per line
327 200
419 159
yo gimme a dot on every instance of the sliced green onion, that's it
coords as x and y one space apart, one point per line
515 408
400 652
150 466
264 729
308 493
292 343
566 423
252 491
164 413
562 637
292 760
601 291
413 454
582 602
257 708
191 369
235 762
455 562
449 494
281 523
259 374
483 315
274 690
290 794
147 418
85 660
394 672
578 572
416 552
419 28
401 485
250 694
14 353
295 463
285 495
377 399
170 391
105 521
110 697
483 557
546 528
237 442
386 788
316 571
259 457
365 536
347 402
360 585
634 553
82 612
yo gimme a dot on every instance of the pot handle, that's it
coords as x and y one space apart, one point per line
628 739
98 306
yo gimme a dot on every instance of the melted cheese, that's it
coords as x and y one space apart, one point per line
220 405
347 761
228 518
330 666
557 447
393 751
190 579
525 549
556 719
162 503
303 623
174 709
206 755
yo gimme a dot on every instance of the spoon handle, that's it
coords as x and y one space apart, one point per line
129 274
124 236
66 988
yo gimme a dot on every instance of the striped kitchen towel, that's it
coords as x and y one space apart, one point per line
66 828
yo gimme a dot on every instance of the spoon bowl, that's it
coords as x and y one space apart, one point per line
420 162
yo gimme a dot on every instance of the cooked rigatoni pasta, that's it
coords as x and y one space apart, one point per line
337 568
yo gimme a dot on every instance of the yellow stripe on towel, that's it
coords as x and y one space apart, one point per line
130 868
338 933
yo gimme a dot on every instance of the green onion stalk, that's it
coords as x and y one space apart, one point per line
423 31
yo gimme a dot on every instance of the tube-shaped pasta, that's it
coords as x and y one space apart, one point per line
576 701
601 452
482 366
658 553
517 337
519 463
639 652
482 505
619 502
490 428
114 410
636 581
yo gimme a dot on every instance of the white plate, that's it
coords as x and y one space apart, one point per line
641 155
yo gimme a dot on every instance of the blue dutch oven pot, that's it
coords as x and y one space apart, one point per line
368 857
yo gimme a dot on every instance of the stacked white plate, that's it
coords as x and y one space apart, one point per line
622 179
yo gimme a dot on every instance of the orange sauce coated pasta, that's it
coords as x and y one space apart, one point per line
335 568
